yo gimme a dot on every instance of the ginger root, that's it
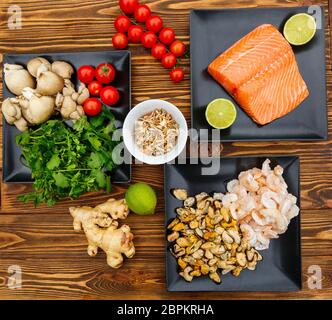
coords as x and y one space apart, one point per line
101 229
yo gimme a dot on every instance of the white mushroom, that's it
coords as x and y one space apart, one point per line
11 110
35 63
63 69
21 124
83 94
36 109
69 89
48 82
80 96
17 78
68 108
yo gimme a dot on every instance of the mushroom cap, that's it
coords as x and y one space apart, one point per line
11 110
21 124
68 107
63 69
39 109
48 82
35 63
17 78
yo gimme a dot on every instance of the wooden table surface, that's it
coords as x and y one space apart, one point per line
53 258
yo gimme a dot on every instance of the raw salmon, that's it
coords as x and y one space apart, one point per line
261 73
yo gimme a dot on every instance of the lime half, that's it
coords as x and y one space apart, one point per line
220 113
300 29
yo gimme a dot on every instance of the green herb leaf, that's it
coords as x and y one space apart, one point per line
60 180
95 161
101 179
68 161
53 163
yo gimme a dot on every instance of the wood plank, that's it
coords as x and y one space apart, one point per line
88 278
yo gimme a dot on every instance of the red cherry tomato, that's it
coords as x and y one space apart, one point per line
120 41
154 23
92 106
105 73
167 35
178 48
135 34
128 6
149 38
122 23
109 95
168 60
177 74
158 50
86 73
142 12
94 88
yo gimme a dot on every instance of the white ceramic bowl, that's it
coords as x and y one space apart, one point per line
147 107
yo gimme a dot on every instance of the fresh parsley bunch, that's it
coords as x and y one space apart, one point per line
68 161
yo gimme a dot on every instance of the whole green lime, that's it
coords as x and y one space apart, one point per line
141 199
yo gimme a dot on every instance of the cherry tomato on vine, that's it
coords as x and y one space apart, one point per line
86 73
167 35
149 38
168 60
142 12
122 23
158 50
105 73
109 95
94 88
135 34
178 48
120 41
128 6
177 74
154 23
92 106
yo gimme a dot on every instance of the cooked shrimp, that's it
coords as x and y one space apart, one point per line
268 199
262 242
266 167
278 170
260 202
247 180
228 198
249 234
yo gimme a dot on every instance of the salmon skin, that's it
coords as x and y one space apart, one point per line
261 73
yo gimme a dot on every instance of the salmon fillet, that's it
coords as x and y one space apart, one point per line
261 73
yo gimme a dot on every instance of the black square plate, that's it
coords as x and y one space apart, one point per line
214 31
14 169
280 269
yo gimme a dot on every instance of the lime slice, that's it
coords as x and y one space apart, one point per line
220 113
141 199
300 29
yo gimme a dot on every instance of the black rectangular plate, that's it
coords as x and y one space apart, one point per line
14 170
280 269
214 31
